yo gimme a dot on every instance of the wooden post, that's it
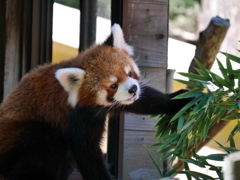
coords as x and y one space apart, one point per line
147 32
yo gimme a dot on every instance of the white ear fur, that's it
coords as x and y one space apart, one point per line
71 80
118 39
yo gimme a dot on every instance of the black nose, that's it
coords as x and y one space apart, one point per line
133 89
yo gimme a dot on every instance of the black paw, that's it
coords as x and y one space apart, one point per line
177 104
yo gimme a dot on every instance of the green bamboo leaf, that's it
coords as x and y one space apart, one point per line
171 172
206 127
232 116
225 105
153 161
222 69
187 125
170 136
235 106
202 82
180 123
209 102
195 76
197 163
217 117
189 94
166 149
189 83
230 71
200 175
236 75
184 136
187 169
214 168
232 57
154 116
167 155
200 105
238 125
232 142
233 132
238 80
187 106
203 69
220 81
200 71
171 153
227 149
215 157
157 144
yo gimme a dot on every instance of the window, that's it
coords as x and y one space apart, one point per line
76 26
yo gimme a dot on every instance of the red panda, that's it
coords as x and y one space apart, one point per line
56 115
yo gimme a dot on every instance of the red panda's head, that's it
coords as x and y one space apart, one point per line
108 74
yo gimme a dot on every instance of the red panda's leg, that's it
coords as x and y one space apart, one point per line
152 101
87 125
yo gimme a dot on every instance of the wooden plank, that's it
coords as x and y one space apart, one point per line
135 154
12 56
154 77
136 139
2 45
148 32
139 122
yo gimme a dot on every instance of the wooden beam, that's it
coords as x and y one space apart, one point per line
2 45
88 23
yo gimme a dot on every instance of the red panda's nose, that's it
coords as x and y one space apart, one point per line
133 89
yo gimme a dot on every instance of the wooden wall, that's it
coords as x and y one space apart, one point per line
27 39
148 33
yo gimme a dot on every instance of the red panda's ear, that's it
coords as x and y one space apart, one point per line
116 39
71 80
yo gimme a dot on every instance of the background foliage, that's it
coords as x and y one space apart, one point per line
183 17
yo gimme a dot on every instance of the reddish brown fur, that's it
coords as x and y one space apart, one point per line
100 63
40 96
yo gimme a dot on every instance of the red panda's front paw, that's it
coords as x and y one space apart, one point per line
177 104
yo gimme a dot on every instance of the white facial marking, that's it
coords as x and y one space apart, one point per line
136 69
127 69
119 41
123 96
113 78
102 98
71 80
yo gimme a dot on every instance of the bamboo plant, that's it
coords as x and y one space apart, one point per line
176 133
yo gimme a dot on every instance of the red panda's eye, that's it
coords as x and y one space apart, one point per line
114 86
130 74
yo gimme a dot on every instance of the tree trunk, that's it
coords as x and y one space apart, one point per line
209 43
